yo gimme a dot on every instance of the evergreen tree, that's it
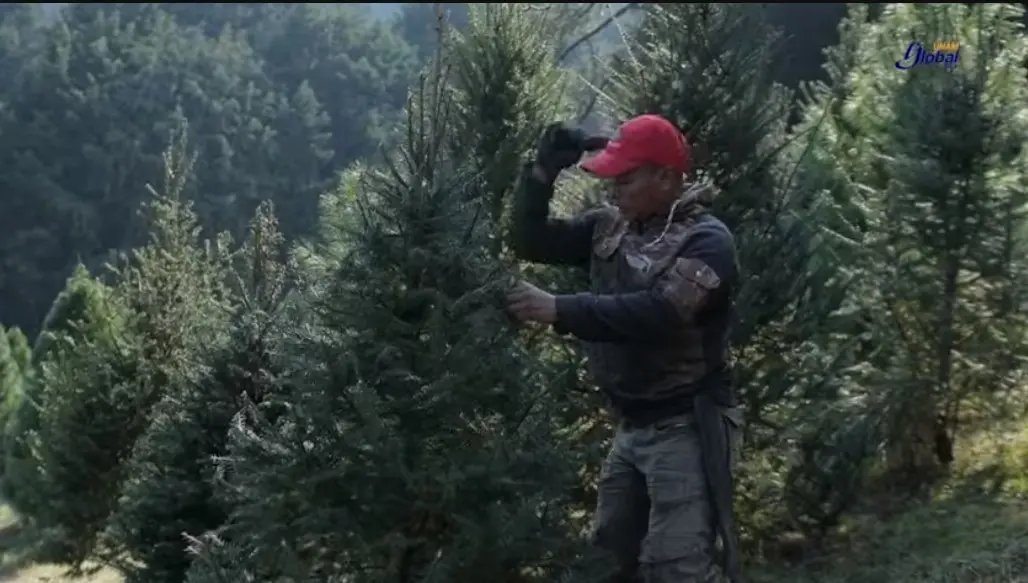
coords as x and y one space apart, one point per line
82 310
77 443
169 491
506 87
937 160
15 357
418 444
162 317
94 107
416 22
357 67
840 437
21 25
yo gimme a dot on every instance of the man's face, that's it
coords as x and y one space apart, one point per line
642 193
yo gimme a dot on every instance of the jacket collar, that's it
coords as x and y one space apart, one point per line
696 198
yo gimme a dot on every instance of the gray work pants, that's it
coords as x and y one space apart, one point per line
654 511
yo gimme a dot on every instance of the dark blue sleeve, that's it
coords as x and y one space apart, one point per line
540 238
702 272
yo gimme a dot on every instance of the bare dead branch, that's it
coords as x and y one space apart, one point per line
599 28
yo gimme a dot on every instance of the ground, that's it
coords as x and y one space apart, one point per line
975 530
12 563
942 542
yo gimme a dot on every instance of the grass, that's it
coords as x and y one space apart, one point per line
949 541
975 530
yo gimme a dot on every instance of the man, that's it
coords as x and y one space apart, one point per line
655 326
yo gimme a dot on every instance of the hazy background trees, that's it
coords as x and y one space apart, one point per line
287 359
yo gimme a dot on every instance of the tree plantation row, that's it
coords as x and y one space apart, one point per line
289 360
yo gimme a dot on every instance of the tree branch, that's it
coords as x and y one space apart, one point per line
595 31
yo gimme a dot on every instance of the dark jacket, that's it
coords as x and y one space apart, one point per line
656 321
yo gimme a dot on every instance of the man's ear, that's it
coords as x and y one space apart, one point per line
671 179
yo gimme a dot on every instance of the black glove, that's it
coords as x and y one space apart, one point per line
562 146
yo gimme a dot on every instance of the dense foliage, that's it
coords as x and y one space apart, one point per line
288 359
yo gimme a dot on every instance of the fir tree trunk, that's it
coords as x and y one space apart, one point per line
911 458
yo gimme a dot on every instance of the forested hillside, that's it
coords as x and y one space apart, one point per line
253 260
311 86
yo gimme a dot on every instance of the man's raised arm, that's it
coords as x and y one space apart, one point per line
540 238
536 236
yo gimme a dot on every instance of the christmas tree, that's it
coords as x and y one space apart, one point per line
418 445
169 492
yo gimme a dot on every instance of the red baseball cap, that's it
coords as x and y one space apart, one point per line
646 139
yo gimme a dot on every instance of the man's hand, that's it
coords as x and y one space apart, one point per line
561 146
528 303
